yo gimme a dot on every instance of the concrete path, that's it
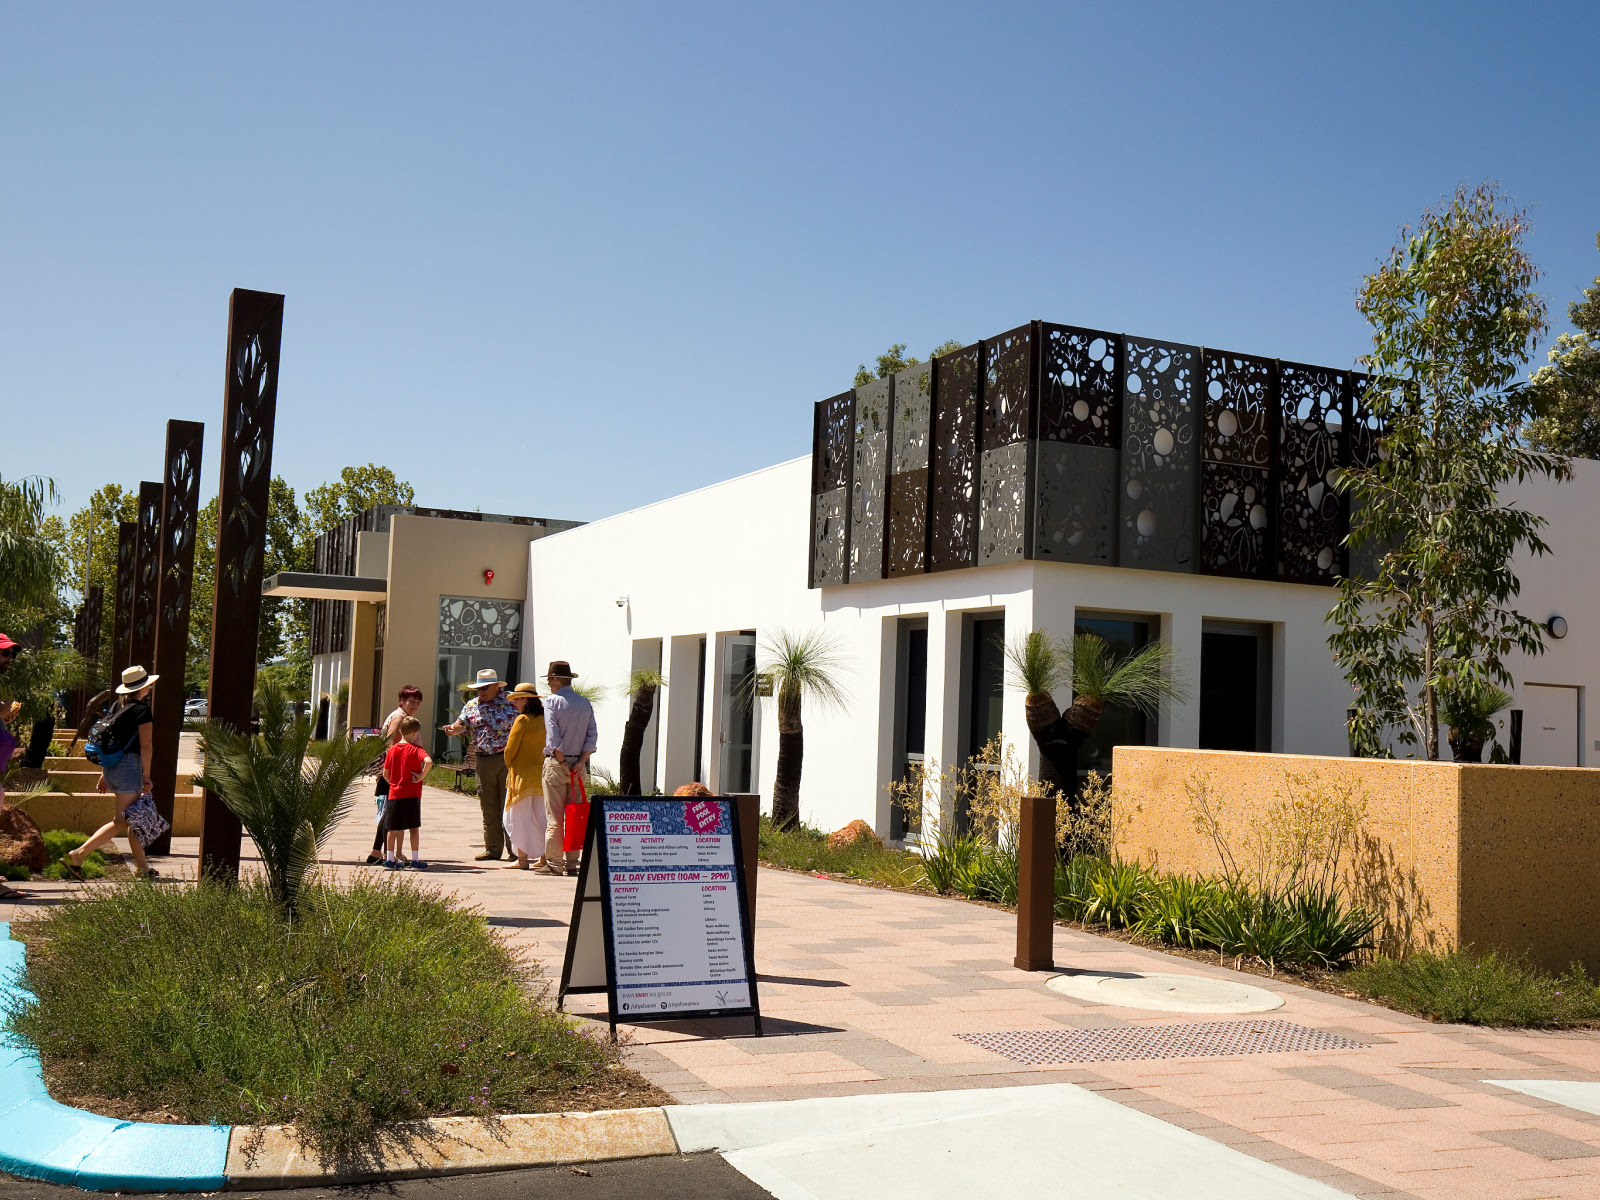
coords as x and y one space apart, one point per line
874 992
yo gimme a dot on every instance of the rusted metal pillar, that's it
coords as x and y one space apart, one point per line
180 507
122 598
249 406
749 806
146 568
1036 885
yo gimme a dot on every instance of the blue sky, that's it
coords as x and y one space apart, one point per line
565 260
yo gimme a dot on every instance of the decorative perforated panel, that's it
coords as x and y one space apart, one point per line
1310 436
913 414
830 544
469 623
1233 520
1075 503
908 529
146 578
953 499
1363 450
1160 420
1080 398
1002 536
1008 388
1238 409
869 485
833 443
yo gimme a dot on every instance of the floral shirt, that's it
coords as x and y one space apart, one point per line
490 722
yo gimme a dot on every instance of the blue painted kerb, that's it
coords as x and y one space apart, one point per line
42 1139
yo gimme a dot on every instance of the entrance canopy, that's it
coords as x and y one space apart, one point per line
309 585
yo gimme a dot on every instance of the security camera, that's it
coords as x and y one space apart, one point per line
622 602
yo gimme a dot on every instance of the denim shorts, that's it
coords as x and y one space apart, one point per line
127 776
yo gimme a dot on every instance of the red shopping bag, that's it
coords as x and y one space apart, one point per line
577 816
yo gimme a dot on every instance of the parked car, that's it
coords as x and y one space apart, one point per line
195 709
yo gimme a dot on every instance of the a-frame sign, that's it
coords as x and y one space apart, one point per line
659 921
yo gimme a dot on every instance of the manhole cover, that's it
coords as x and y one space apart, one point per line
1213 1039
1168 993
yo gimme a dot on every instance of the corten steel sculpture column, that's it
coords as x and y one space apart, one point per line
146 565
180 497
122 598
1036 885
250 400
86 641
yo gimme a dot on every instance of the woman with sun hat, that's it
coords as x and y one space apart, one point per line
128 776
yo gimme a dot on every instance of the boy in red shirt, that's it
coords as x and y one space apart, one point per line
405 767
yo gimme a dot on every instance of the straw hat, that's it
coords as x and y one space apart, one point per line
488 677
135 679
527 690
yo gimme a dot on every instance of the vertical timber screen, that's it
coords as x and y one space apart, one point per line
146 568
833 452
249 407
174 581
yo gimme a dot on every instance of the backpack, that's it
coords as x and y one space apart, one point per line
96 747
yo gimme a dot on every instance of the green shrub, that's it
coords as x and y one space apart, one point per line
1247 924
1480 989
15 872
952 863
1330 932
382 1002
58 843
996 877
1172 908
1073 890
1116 894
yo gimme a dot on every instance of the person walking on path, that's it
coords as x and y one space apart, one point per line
128 777
8 744
524 812
410 701
570 738
489 717
405 766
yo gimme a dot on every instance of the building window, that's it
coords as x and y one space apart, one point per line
1235 686
474 635
910 714
1117 726
983 676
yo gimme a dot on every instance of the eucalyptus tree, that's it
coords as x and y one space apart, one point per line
1454 318
1566 390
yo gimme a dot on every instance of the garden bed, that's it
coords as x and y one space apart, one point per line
381 1003
1458 986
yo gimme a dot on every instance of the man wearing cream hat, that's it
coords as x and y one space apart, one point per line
489 717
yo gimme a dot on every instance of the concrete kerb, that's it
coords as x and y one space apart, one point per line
40 1138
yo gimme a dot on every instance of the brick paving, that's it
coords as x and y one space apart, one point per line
865 990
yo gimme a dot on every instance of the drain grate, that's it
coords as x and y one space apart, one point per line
1116 1044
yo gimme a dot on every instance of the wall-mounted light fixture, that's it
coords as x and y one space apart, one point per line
488 578
1556 627
622 602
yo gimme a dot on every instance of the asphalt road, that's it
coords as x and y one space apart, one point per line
688 1177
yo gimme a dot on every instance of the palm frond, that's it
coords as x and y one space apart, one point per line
804 665
1143 680
594 693
1036 664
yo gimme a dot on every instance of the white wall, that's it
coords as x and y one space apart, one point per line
733 557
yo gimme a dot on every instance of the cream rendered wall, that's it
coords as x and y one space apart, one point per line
431 557
733 556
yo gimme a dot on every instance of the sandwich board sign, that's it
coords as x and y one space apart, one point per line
659 922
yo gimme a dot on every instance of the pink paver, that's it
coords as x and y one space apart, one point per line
864 990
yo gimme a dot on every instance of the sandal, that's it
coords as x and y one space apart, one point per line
149 873
74 870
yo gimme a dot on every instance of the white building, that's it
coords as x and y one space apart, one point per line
694 581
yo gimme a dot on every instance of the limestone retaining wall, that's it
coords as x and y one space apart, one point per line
1449 854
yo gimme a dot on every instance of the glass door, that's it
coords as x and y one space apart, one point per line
738 736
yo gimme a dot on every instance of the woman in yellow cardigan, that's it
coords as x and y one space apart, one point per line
524 817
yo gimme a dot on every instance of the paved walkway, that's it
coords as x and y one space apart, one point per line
868 991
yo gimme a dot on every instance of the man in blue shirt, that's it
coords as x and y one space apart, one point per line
569 739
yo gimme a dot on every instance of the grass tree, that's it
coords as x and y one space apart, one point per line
287 791
1454 318
1468 709
643 684
1097 677
803 666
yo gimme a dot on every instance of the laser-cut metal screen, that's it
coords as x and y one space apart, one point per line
953 451
1057 443
832 456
